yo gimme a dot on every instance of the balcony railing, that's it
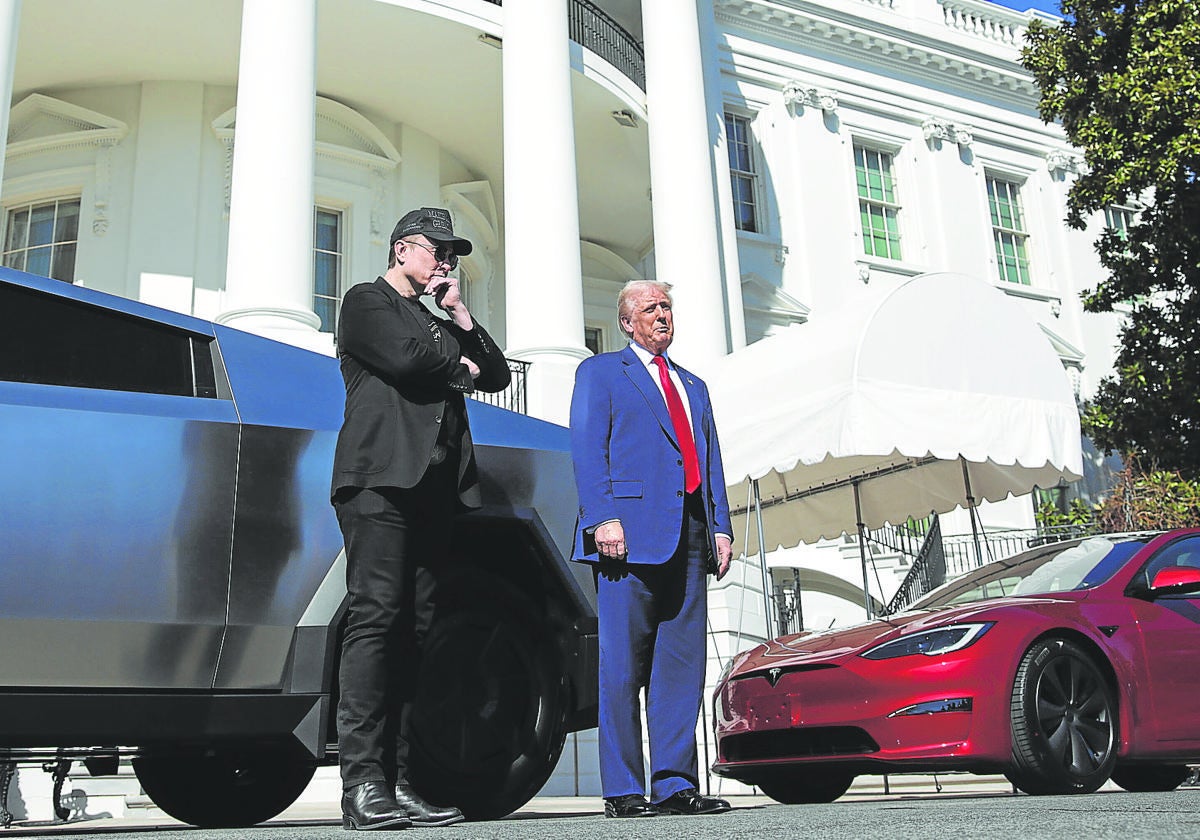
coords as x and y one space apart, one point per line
514 397
592 29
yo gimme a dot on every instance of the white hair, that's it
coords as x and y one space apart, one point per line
632 288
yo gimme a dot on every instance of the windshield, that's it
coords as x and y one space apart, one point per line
1055 568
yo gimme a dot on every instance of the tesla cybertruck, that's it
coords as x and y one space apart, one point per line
172 578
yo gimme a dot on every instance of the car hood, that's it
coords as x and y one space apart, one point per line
829 646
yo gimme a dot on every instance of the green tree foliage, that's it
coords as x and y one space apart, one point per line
1150 501
1124 80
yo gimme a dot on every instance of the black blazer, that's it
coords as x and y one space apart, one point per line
399 384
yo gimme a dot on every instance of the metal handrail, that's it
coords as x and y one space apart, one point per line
590 27
515 397
927 573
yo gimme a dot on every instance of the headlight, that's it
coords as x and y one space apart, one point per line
931 642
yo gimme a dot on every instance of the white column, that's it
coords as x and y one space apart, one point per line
542 272
268 280
686 252
727 229
10 25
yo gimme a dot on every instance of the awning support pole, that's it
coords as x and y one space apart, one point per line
762 553
971 511
862 551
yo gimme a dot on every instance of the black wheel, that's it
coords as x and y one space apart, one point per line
1064 721
223 791
1148 778
489 719
807 785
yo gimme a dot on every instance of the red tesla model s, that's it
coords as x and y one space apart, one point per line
1061 667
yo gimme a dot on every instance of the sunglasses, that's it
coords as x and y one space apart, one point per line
443 253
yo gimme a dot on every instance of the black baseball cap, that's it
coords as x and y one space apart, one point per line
435 224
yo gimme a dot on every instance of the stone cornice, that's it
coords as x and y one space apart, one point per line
806 22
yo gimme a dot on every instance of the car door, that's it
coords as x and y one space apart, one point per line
118 450
1170 630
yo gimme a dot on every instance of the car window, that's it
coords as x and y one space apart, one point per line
1067 570
1060 567
1183 553
49 340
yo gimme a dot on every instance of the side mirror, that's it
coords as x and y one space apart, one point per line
1175 580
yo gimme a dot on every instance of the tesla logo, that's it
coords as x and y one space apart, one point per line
773 676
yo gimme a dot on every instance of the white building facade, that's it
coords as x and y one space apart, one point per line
245 160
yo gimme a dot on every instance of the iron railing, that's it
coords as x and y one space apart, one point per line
927 573
962 556
515 396
592 29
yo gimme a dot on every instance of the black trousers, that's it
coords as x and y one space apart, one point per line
396 539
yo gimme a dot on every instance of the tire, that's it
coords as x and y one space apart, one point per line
223 791
1150 778
490 716
806 786
1064 721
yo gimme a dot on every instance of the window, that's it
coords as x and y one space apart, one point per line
593 339
41 238
1119 220
49 340
327 266
877 206
741 172
1008 230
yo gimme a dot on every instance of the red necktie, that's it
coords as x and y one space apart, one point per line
687 444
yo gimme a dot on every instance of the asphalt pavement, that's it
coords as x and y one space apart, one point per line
962 808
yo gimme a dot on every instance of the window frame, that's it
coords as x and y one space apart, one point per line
29 205
335 299
749 176
892 206
1018 234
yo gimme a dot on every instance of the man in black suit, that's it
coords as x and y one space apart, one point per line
404 465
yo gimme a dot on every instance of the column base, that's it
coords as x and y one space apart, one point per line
290 326
550 380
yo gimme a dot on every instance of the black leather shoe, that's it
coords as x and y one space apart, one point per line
630 805
689 801
370 806
421 812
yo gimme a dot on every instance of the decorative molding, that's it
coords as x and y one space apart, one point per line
342 135
472 208
103 189
379 205
863 271
781 255
40 123
771 304
869 33
1065 162
798 96
937 130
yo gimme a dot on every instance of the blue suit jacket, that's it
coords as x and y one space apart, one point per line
627 460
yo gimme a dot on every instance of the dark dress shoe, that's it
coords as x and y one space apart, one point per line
630 805
370 806
689 801
421 812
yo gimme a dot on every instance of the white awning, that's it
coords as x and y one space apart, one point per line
894 392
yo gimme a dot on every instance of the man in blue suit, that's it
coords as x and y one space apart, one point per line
653 519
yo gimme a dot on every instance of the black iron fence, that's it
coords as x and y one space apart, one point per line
591 28
515 396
